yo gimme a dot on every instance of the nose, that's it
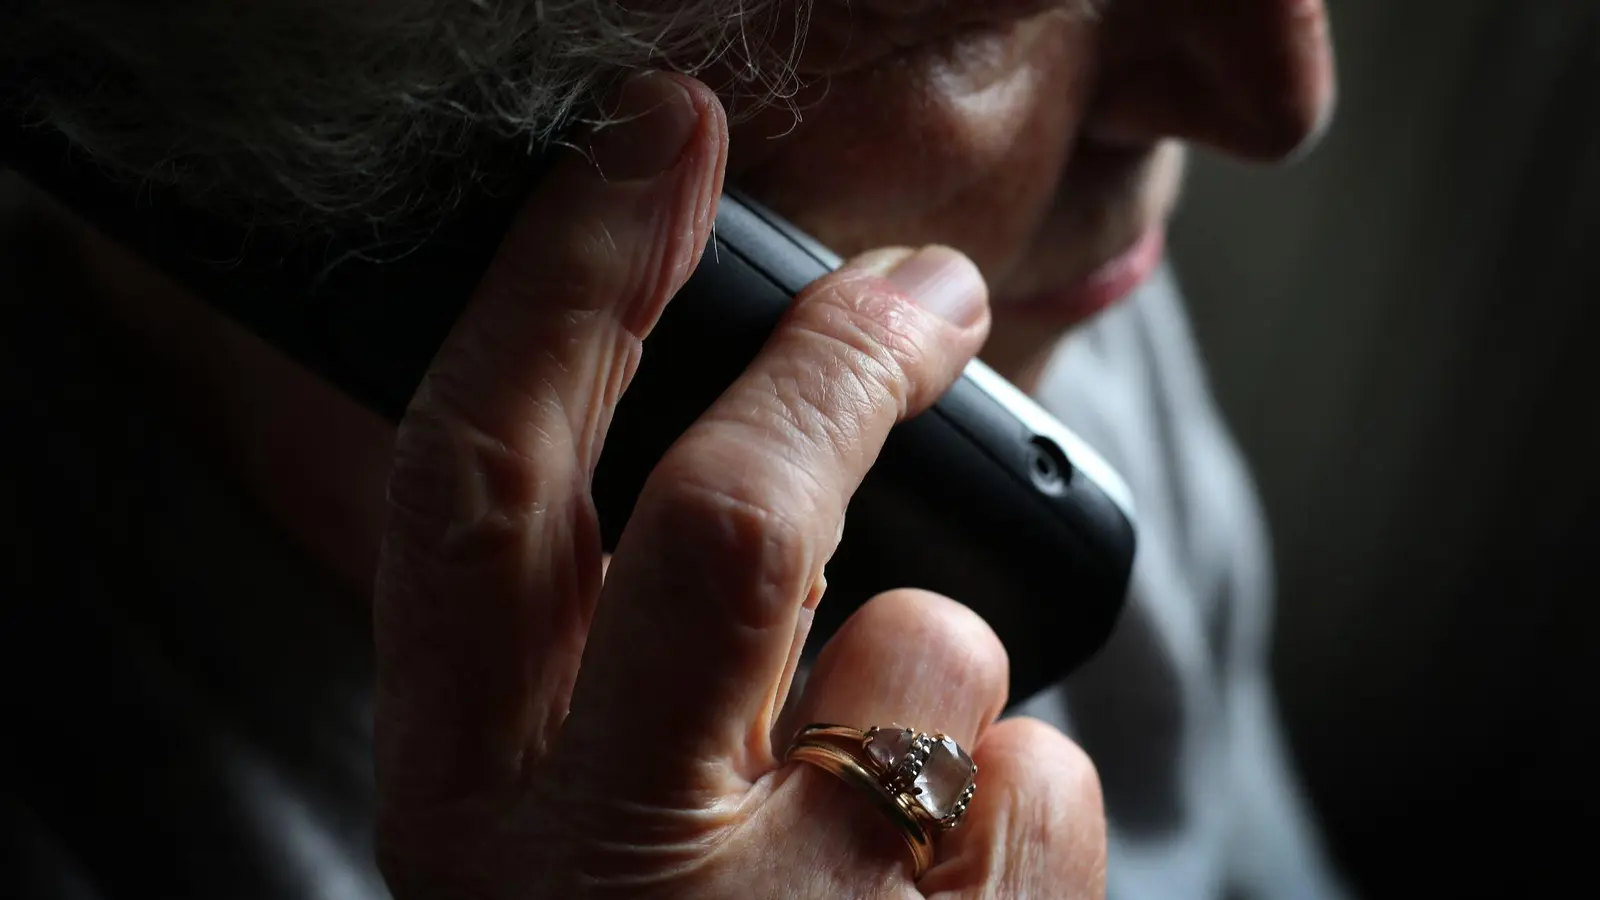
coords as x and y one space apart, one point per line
1249 78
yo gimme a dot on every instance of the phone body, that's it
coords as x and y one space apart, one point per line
985 497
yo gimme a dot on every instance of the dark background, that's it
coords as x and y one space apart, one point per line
1403 331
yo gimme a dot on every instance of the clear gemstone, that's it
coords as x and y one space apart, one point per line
944 776
889 745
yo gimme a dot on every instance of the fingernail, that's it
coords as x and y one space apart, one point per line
648 125
944 282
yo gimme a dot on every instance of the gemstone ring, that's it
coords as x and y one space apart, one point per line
922 781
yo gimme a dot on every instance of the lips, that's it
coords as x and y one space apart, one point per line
1106 192
1108 283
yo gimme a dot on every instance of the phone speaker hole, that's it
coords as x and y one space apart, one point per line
1048 465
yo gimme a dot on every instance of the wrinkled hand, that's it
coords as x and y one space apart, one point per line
546 731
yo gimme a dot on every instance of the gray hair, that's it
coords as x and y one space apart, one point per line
341 113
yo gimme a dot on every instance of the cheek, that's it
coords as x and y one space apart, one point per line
963 146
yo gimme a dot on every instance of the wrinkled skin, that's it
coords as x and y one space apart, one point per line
1038 144
1039 140
548 727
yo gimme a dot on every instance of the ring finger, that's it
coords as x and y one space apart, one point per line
907 658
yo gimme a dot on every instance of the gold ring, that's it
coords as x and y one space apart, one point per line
922 782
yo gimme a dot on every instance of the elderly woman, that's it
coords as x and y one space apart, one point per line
550 723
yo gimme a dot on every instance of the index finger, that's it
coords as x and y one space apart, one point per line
699 613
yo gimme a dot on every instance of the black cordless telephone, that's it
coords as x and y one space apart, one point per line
985 497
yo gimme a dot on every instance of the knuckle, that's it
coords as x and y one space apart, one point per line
879 312
872 330
461 495
725 526
850 362
830 408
